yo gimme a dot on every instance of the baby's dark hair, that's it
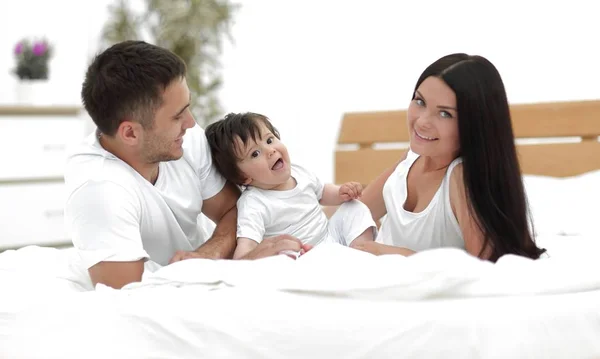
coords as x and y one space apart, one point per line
221 137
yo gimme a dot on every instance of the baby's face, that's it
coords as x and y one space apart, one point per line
265 163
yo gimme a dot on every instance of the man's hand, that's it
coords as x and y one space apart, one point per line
273 246
183 255
351 190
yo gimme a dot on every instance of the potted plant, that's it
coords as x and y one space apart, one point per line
32 58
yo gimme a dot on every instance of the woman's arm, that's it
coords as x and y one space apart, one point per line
378 249
472 233
372 195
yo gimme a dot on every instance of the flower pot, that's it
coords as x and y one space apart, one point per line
32 92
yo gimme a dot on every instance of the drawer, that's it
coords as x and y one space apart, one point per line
40 146
32 214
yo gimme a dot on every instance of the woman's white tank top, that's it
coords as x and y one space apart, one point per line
434 227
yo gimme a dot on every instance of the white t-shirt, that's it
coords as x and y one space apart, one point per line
434 227
297 212
113 214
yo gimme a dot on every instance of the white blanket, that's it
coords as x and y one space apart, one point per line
333 302
32 271
334 270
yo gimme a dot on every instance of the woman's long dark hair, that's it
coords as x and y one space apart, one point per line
491 171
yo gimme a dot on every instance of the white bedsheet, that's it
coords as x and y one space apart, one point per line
333 302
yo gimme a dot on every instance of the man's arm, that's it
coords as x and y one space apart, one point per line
222 210
116 274
103 221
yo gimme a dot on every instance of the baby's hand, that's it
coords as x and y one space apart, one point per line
350 191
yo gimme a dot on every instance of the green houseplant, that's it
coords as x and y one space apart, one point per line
193 29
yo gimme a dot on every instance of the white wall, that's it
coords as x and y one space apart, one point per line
68 25
304 63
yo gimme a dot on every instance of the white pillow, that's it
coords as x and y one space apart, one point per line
546 202
565 206
581 204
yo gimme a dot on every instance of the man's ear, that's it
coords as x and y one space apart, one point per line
130 132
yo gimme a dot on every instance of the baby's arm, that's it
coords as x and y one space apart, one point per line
244 246
334 195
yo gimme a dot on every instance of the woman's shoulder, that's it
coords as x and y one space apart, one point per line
455 172
457 190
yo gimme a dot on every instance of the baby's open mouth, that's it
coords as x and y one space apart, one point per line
278 164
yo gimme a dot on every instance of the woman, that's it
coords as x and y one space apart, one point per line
460 183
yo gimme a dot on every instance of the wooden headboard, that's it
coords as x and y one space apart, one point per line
556 139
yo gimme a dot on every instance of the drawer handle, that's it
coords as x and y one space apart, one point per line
50 213
54 147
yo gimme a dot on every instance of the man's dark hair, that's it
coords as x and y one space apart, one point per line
221 136
126 82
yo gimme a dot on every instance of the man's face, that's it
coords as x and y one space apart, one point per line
163 142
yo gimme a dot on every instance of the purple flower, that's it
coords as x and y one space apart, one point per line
39 48
19 48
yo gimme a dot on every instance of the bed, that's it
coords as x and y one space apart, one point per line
339 302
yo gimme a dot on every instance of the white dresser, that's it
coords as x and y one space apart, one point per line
33 147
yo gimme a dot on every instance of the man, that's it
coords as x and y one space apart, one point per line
138 185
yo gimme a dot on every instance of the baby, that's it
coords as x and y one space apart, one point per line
279 197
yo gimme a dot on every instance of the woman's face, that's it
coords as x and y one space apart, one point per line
433 120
